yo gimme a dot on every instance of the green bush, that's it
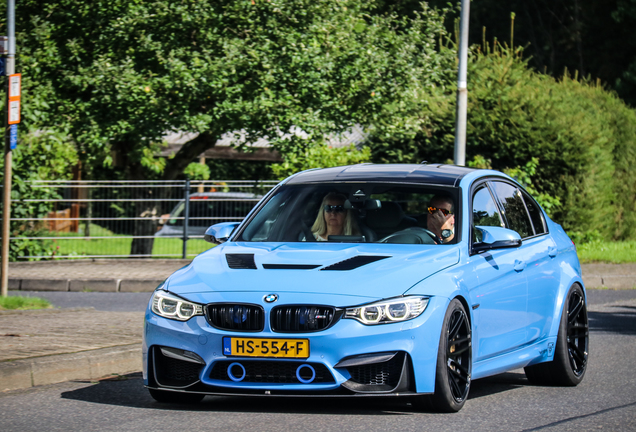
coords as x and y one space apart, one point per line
320 156
581 136
39 156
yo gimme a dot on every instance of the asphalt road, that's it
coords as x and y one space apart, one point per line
605 400
131 302
101 301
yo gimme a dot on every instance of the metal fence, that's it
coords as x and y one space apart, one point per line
115 219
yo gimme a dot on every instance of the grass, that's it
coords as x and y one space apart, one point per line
595 251
23 303
608 252
67 245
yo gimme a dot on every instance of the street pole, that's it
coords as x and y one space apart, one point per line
462 90
8 156
186 218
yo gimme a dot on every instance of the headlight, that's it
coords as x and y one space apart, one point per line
388 311
170 306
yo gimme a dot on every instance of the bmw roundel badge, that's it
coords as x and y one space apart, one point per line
271 298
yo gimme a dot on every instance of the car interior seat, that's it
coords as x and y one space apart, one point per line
388 219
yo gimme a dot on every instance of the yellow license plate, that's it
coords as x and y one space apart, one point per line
251 347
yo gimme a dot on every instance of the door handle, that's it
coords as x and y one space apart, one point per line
520 265
552 251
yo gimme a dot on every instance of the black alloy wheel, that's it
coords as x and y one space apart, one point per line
458 355
577 332
572 346
454 357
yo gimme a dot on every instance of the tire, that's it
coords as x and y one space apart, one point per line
454 359
175 397
572 346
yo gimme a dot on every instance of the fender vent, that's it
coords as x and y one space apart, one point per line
354 263
241 261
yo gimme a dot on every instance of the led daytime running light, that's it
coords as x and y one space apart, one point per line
170 306
393 310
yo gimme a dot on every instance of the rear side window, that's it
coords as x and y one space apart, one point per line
535 214
514 208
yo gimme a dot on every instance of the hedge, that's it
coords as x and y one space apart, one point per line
583 136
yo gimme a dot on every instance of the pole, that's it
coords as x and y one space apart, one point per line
8 156
186 219
462 90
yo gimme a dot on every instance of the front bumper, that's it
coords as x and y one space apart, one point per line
347 359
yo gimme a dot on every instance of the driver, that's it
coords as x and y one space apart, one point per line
440 219
333 218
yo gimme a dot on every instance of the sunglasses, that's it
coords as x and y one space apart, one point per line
334 208
445 212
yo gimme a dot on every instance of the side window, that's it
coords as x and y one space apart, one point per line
514 209
535 214
484 211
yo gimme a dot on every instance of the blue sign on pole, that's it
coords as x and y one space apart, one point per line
2 63
13 136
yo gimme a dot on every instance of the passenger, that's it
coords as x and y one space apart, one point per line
440 219
333 218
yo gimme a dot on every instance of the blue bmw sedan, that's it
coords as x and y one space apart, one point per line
373 280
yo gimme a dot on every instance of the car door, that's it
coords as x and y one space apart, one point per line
523 215
499 300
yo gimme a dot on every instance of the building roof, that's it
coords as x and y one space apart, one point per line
260 149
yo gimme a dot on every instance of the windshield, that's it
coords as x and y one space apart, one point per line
353 213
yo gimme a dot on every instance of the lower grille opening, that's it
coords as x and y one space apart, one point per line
377 377
273 372
171 372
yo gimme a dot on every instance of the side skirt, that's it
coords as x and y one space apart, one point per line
538 352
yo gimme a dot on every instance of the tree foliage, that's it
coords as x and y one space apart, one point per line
571 141
122 73
592 38
44 155
322 156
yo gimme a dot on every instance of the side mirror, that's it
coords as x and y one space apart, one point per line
496 238
220 233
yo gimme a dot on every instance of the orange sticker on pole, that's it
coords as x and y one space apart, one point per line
15 91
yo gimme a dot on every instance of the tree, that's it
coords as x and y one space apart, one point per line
45 155
121 73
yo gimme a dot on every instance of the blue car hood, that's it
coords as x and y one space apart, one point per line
373 271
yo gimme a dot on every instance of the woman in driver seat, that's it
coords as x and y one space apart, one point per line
333 218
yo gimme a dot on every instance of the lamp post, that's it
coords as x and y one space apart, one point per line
462 90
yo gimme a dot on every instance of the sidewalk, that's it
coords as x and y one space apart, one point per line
50 346
121 275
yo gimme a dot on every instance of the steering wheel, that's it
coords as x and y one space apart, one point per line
414 234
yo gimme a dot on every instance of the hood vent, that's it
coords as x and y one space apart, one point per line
354 263
241 261
291 266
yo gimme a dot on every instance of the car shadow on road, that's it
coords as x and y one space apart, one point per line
620 320
128 390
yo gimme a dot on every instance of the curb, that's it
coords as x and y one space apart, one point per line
609 281
98 285
92 364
